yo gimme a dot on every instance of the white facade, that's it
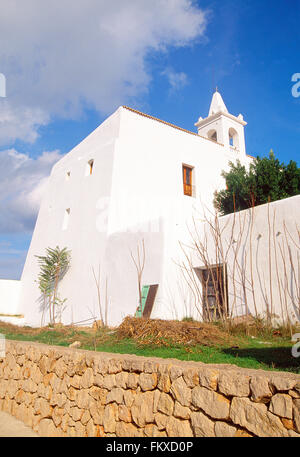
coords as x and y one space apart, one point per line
121 185
260 249
9 293
9 301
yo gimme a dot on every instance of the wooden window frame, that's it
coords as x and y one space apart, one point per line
187 186
89 167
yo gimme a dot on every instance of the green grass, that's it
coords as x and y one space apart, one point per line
250 356
249 353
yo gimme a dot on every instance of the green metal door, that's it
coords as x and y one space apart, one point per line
139 311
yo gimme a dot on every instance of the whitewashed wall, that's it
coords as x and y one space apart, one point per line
9 296
134 193
261 248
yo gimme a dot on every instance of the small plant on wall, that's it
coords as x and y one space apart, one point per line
53 267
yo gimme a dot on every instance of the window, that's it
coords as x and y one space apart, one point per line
66 219
187 174
68 175
89 167
212 135
233 138
214 291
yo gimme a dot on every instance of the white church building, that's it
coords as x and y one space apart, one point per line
137 181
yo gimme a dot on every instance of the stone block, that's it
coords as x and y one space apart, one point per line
178 428
212 403
202 425
282 405
256 418
165 404
234 384
181 392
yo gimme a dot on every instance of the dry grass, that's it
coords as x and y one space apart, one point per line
185 340
12 315
11 328
257 327
145 332
59 333
154 332
165 333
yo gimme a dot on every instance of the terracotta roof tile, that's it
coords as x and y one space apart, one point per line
173 126
169 124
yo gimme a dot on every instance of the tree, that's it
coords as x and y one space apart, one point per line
266 180
139 265
53 267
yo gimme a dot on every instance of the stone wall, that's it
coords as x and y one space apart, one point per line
70 392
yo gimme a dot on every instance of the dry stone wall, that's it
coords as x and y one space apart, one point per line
70 392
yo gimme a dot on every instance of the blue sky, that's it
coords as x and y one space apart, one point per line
68 67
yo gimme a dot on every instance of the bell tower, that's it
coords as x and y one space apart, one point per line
223 127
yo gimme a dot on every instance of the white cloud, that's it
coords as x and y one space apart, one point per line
61 56
22 183
17 122
177 80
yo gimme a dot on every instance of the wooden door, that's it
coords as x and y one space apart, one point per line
148 297
214 283
150 301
